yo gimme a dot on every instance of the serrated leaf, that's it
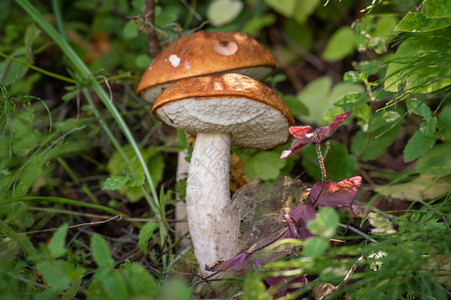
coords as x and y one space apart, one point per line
57 244
437 161
101 252
152 156
417 145
221 12
429 127
114 286
340 45
138 281
138 181
114 183
418 107
325 224
144 235
315 247
59 274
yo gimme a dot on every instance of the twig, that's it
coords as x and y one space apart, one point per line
358 232
152 38
115 218
89 215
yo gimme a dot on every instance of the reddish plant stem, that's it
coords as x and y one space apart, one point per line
321 161
152 38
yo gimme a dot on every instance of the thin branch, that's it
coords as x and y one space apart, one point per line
152 38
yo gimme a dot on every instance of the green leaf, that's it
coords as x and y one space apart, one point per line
444 124
143 61
59 274
256 24
284 7
340 45
423 187
366 146
437 161
114 286
352 100
352 77
429 127
265 165
221 12
382 119
310 161
319 97
130 30
419 22
339 163
437 8
144 235
418 107
115 183
116 166
315 247
304 8
421 64
176 289
325 224
254 289
101 252
138 281
12 71
296 107
384 26
57 244
417 145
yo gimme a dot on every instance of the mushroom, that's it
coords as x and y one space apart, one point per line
222 110
200 54
205 53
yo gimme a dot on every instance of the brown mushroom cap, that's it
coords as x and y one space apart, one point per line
205 53
253 115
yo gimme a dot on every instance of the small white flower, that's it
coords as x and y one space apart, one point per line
377 265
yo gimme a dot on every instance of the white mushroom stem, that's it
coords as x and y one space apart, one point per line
181 227
213 226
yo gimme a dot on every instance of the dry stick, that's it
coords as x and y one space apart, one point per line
152 38
115 218
89 215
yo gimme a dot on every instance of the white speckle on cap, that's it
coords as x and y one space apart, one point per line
226 47
175 60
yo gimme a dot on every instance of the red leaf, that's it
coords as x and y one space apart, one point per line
297 222
329 193
304 134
